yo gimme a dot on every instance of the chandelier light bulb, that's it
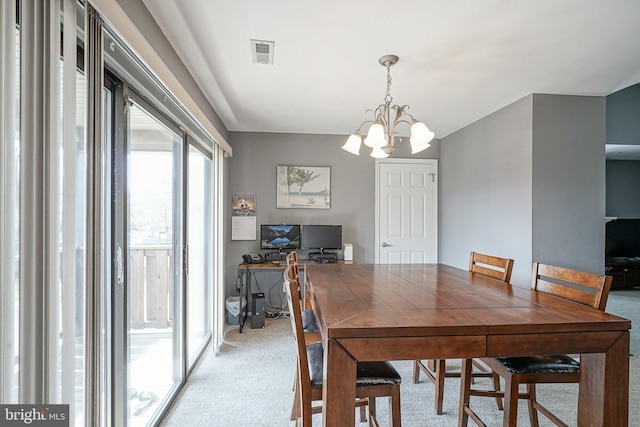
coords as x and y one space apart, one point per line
418 145
375 138
353 143
377 153
420 137
419 129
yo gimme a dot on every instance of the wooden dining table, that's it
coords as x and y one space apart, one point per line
433 311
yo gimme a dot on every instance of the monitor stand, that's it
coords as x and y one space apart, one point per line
323 257
275 256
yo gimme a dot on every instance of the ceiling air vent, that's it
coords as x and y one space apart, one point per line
262 51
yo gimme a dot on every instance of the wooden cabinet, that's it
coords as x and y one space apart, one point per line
625 272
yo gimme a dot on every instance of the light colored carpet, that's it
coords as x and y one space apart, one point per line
248 383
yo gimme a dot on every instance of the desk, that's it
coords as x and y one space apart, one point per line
434 311
244 271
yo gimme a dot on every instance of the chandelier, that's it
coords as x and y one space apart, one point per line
381 137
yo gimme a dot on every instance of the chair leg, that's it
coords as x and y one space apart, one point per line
533 412
295 408
372 411
394 408
306 409
510 402
416 371
480 367
363 413
295 379
440 370
496 387
435 370
465 389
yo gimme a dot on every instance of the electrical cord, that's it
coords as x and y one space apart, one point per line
277 315
238 278
273 311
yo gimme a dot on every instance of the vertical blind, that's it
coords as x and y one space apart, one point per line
52 169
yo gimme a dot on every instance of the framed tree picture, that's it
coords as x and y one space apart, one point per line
307 187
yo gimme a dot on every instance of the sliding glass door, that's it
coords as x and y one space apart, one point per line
200 244
154 242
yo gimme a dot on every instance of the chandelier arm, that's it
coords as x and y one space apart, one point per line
413 119
402 121
408 114
398 119
364 123
380 114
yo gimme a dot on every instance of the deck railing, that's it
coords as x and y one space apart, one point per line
151 286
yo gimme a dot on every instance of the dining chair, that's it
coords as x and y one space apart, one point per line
578 287
374 379
309 326
292 273
436 370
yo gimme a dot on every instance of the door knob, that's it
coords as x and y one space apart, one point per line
385 244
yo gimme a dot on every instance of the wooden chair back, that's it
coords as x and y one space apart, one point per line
585 288
292 275
292 258
292 261
303 387
491 266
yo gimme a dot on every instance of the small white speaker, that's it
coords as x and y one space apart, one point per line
348 252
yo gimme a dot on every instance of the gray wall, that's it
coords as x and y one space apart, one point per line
252 169
623 110
485 190
623 176
569 181
527 182
623 184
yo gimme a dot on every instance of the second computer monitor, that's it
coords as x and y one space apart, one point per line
321 237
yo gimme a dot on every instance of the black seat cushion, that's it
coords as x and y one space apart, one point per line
368 373
553 364
309 321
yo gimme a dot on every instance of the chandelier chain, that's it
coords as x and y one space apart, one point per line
388 98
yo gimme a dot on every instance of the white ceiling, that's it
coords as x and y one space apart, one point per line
460 60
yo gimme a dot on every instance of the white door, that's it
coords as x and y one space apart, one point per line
406 211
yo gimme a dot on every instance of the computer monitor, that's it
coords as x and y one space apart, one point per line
281 237
321 237
622 238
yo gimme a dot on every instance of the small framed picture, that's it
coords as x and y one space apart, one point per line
307 187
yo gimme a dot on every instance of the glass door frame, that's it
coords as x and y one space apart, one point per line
117 340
